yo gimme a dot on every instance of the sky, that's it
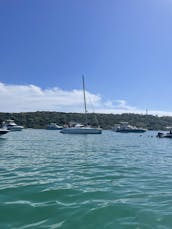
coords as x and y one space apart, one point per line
123 48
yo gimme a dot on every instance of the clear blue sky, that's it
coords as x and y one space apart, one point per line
124 47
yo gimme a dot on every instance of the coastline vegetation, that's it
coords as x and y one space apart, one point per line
41 119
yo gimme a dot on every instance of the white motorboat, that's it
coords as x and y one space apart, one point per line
124 127
82 129
11 125
54 126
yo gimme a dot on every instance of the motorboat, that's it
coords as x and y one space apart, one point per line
54 126
11 125
79 128
3 131
164 135
124 127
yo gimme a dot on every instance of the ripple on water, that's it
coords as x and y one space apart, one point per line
50 180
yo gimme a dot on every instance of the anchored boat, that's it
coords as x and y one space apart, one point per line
82 129
124 127
54 126
164 135
11 125
3 131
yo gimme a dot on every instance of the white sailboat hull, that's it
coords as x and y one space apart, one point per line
83 130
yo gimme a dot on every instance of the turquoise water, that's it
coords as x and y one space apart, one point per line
113 180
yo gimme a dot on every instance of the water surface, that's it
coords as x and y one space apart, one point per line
113 180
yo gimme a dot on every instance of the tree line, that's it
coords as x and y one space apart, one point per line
41 119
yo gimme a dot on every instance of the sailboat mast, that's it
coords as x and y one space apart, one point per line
85 105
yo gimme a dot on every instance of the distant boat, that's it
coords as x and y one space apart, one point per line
79 128
3 131
124 127
54 126
164 135
11 125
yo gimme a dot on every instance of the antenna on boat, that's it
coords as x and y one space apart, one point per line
85 105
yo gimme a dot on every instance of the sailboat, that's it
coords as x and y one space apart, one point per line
79 128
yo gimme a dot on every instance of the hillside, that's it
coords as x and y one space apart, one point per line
106 121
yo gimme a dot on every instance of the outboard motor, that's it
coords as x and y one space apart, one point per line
159 135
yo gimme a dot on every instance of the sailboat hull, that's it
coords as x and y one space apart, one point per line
83 130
